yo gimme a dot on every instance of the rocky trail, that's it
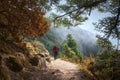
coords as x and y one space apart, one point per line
56 70
60 70
67 70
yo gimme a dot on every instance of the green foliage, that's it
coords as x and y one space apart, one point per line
70 48
110 24
49 40
107 63
73 12
68 51
72 44
104 42
105 26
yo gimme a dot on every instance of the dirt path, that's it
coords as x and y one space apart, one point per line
62 65
65 70
56 70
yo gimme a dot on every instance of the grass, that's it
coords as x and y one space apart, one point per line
86 65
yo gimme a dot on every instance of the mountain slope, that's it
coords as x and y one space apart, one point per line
86 40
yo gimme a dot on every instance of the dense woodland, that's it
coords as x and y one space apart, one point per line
22 20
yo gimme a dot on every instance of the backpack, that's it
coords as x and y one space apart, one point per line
55 49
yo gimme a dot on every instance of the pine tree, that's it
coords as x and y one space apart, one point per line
72 43
70 48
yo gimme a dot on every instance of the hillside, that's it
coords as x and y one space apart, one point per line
85 40
16 60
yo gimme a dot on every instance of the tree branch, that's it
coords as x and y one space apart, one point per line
65 14
116 23
84 6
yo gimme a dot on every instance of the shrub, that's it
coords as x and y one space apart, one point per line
107 65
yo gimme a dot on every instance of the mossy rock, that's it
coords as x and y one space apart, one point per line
14 64
34 61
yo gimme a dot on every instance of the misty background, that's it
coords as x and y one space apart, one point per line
85 39
84 34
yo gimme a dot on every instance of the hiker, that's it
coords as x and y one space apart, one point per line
55 50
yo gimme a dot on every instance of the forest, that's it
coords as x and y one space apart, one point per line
30 28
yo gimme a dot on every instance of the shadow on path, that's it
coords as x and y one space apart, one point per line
57 70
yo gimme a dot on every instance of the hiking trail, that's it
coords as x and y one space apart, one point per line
66 70
59 70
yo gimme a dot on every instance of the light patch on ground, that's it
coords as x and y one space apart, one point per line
63 65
